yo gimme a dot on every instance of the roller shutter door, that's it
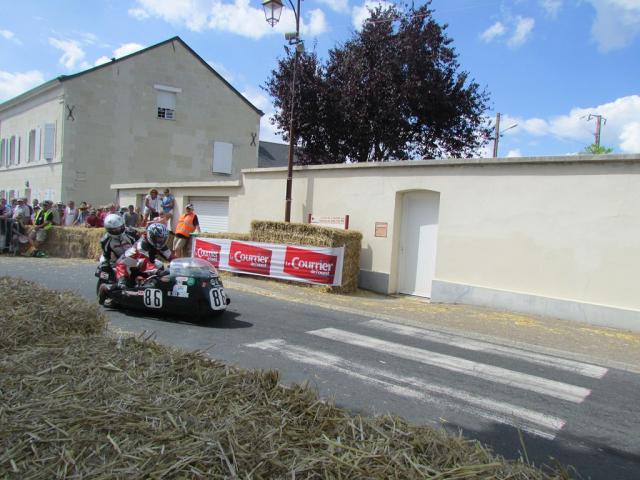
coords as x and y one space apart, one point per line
213 213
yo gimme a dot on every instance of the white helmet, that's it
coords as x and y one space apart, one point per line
114 225
157 235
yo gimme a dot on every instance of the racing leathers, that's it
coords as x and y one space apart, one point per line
113 247
141 259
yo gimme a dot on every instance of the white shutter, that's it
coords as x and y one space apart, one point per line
18 150
222 157
167 100
37 156
2 152
49 141
212 212
12 151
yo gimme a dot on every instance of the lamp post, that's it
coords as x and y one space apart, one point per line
272 12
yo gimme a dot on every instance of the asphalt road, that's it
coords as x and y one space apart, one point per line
581 414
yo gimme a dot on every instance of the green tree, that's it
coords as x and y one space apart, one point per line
594 149
393 91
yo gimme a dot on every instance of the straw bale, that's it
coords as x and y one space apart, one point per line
29 313
100 407
73 242
318 236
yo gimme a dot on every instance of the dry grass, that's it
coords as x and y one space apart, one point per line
77 404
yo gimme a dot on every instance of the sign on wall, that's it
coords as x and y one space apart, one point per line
337 221
317 265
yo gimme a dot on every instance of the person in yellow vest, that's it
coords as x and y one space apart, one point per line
187 224
42 223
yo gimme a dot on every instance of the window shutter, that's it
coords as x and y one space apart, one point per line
2 152
18 152
222 157
49 141
12 150
167 100
36 149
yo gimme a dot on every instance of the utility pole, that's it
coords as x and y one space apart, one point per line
599 119
496 139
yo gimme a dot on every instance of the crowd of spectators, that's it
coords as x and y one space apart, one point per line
157 208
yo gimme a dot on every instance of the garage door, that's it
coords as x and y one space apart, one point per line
213 213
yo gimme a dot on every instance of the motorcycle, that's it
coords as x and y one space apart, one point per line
190 286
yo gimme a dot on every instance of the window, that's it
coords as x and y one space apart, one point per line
12 150
31 154
49 148
18 145
167 105
3 152
222 157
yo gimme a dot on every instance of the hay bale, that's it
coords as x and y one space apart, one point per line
305 234
98 407
30 313
73 242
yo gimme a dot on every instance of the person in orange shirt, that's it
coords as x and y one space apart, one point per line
187 224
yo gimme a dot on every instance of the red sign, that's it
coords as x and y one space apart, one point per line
250 258
314 266
207 251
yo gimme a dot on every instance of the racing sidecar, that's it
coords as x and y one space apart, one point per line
191 287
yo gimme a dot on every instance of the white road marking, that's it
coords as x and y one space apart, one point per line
579 368
487 408
552 388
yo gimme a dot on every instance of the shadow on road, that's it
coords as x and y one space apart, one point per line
228 320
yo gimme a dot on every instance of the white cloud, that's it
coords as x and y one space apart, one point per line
222 70
13 84
495 30
9 35
122 51
552 7
621 132
72 55
524 27
514 153
617 23
238 17
336 5
138 13
360 14
630 138
126 49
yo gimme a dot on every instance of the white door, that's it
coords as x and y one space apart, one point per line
213 213
418 242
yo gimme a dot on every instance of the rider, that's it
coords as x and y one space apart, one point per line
142 256
117 240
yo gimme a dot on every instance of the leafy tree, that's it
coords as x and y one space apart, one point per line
594 149
393 91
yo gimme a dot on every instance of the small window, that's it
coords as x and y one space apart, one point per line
12 150
167 105
31 153
49 149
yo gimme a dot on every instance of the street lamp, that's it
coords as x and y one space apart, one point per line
272 12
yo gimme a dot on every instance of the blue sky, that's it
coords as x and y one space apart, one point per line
547 64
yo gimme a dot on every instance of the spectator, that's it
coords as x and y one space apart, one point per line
21 211
14 204
36 209
187 224
5 210
42 224
168 204
81 217
151 205
27 220
104 211
70 214
92 220
131 218
58 213
140 222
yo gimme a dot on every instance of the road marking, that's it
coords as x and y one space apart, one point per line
579 368
552 388
487 408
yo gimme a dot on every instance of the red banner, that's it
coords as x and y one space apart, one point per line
250 258
314 266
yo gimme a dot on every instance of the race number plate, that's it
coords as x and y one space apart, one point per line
153 298
218 299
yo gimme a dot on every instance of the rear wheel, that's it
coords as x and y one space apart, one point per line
206 313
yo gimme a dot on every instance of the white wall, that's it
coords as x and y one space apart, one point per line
43 176
558 228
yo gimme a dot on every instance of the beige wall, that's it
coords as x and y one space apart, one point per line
557 228
116 136
43 176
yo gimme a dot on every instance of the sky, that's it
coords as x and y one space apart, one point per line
548 65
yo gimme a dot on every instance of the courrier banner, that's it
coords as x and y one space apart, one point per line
318 265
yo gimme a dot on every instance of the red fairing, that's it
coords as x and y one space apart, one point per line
138 257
